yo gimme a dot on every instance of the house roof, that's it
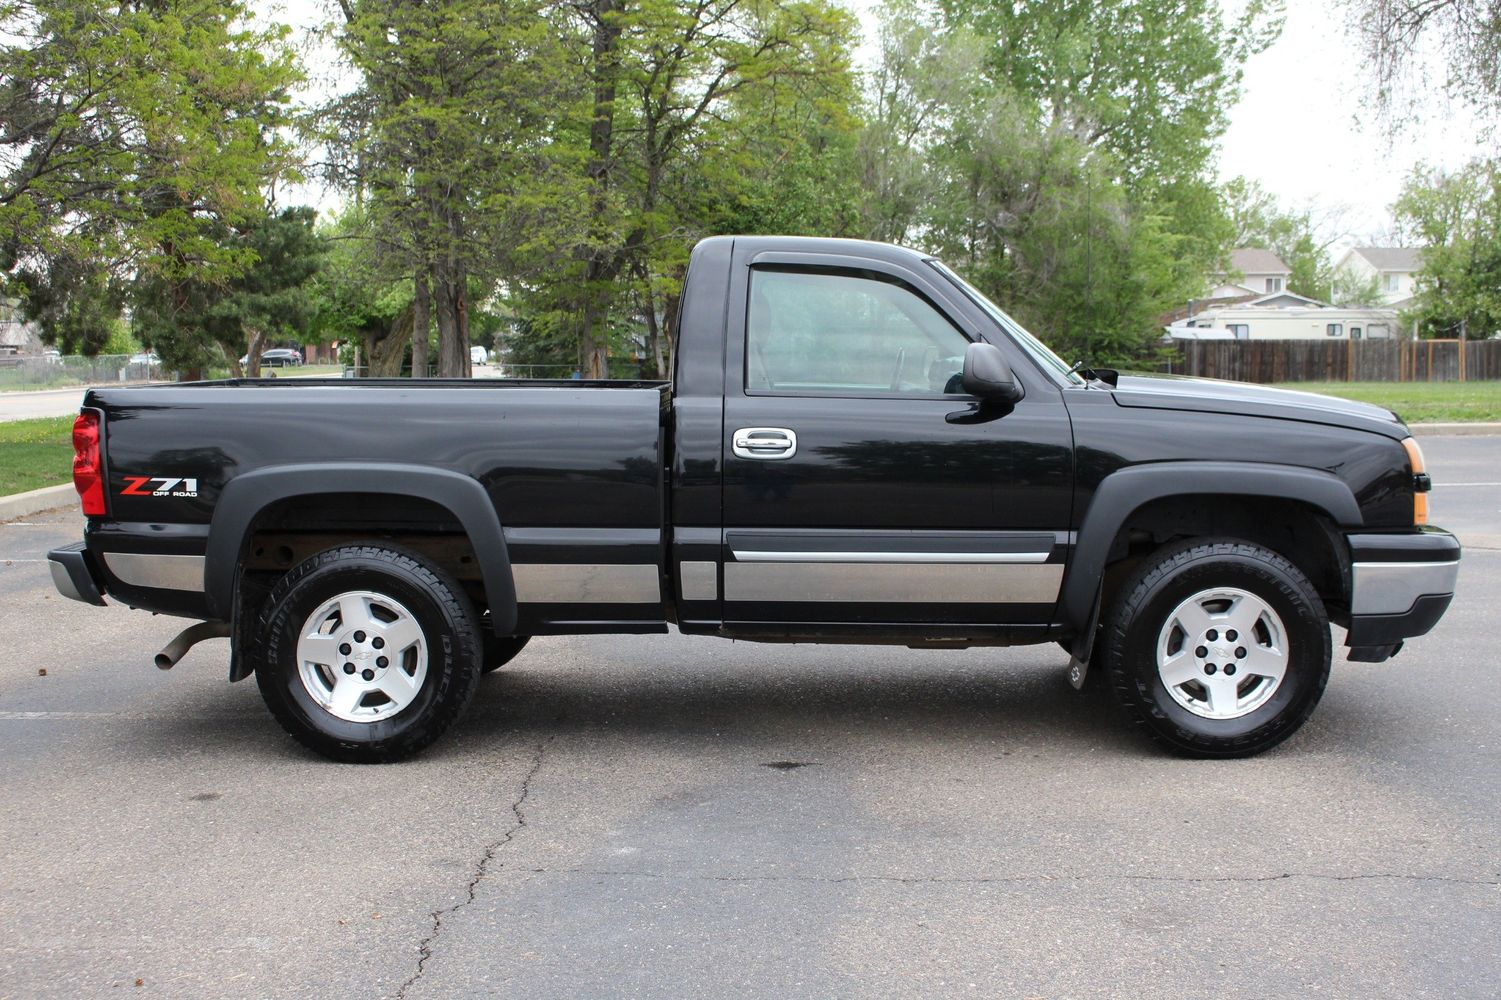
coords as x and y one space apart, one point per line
1392 258
1255 260
1282 300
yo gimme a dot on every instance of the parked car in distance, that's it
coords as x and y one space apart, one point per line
277 357
479 356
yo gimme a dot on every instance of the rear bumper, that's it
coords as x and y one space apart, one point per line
73 574
1400 585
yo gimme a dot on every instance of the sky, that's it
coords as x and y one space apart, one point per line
1302 130
1301 127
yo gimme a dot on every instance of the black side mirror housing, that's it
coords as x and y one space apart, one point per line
987 376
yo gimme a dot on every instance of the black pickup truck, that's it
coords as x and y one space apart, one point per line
857 447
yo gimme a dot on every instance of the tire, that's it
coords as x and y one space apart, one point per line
364 602
500 650
1194 681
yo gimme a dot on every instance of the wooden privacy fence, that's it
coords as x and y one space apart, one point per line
1337 361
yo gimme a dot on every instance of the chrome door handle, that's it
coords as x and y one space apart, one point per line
764 443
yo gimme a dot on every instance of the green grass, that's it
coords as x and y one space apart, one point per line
35 453
308 371
1418 402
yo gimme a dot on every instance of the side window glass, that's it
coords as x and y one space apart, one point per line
819 332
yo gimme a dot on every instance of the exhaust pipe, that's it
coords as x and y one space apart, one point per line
187 639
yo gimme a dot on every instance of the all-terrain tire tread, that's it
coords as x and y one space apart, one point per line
1135 592
449 704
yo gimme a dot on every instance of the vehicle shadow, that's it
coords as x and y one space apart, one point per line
1019 697
879 694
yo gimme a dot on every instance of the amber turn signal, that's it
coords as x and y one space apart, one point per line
1420 481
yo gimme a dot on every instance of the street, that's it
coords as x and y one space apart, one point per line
42 403
668 816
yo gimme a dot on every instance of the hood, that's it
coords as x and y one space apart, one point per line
1176 392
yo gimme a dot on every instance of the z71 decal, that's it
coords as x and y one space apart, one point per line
162 486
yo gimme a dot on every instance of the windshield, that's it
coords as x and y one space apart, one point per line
1034 347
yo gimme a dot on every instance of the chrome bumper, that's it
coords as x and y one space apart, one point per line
1400 585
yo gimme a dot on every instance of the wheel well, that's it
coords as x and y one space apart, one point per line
1302 534
288 531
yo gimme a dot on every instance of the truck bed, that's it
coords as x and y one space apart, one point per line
573 469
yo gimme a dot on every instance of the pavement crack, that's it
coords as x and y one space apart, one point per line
481 870
1494 880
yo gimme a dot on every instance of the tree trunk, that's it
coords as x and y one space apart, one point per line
594 355
421 322
667 358
253 354
388 353
601 261
453 325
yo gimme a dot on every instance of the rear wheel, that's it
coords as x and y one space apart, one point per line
368 653
1218 648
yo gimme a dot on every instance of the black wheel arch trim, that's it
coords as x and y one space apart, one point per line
1127 490
247 495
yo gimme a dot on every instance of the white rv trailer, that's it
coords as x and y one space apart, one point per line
1252 321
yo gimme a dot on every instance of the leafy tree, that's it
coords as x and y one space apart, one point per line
76 303
1299 238
1149 81
268 299
661 74
1057 153
1398 36
453 142
131 135
1456 218
1350 290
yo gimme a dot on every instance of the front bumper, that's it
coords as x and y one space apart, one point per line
73 574
1400 585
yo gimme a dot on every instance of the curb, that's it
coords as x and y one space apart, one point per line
35 501
1454 429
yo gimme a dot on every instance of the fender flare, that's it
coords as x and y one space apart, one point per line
1126 491
246 496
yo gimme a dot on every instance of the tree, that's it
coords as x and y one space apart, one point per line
1404 38
1300 238
1350 290
1058 154
1456 219
131 136
1149 81
453 143
664 75
269 298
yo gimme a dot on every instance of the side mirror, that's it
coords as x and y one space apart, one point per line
987 376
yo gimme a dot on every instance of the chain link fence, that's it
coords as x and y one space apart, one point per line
19 372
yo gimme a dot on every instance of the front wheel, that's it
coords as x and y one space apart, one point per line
368 653
1218 648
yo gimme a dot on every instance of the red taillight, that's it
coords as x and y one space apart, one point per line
88 468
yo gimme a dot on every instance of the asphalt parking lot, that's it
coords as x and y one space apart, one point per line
679 817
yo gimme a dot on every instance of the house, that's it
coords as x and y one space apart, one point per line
1285 316
1253 271
1392 267
16 333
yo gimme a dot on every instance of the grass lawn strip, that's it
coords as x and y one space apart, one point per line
35 453
1419 402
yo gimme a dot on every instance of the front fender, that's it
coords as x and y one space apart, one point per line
1126 491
